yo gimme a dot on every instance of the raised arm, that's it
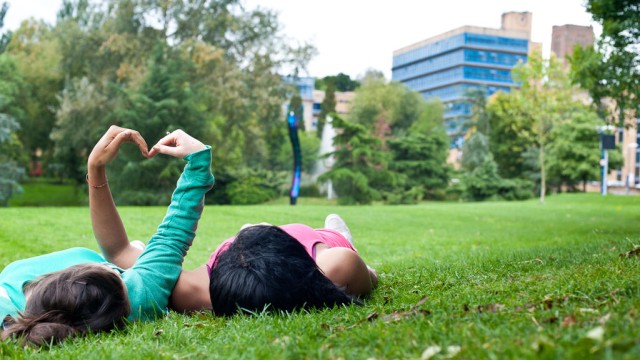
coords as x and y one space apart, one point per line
154 274
105 219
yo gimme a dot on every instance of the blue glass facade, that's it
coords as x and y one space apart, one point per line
446 68
305 86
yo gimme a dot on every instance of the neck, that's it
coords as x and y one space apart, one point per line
191 292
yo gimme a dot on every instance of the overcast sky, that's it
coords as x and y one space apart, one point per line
355 35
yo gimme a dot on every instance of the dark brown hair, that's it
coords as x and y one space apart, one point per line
72 302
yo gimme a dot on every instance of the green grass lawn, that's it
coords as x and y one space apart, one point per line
477 280
49 192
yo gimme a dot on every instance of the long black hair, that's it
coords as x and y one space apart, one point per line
267 269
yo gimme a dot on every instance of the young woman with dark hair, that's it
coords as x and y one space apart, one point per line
287 267
70 302
48 298
265 268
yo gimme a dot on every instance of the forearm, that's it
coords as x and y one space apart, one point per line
160 264
108 228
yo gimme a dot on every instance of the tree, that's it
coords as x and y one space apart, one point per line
475 151
613 68
328 106
360 169
342 82
546 96
10 172
34 48
510 134
227 63
420 160
78 122
574 155
6 37
161 104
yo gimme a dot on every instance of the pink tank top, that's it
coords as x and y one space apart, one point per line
305 235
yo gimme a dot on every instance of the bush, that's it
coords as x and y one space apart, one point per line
454 192
310 190
352 187
484 183
515 189
246 187
249 191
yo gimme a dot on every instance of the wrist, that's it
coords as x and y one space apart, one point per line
96 175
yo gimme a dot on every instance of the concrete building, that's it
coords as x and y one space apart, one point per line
446 65
565 38
343 105
312 101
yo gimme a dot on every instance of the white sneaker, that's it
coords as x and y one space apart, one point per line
335 222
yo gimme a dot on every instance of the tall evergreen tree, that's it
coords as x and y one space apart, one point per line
359 171
328 106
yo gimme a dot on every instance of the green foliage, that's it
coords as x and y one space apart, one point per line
213 68
49 192
484 183
613 69
250 190
375 103
10 173
359 171
244 186
574 155
342 82
511 134
479 116
35 50
163 103
399 121
328 106
6 36
420 161
78 124
475 151
546 102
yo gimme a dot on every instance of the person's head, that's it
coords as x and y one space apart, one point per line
266 268
80 299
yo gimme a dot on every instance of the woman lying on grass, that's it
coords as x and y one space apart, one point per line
277 268
48 298
268 267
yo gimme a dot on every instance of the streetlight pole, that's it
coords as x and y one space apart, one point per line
632 147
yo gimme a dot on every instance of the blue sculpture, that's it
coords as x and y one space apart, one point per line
297 158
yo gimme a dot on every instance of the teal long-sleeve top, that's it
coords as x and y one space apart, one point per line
151 279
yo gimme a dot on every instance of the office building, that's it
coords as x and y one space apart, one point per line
446 65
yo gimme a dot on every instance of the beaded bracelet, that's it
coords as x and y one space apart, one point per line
97 186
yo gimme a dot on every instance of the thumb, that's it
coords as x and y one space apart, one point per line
163 149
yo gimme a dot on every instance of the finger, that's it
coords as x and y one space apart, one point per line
169 140
117 141
142 144
108 136
163 149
